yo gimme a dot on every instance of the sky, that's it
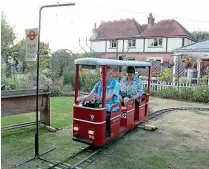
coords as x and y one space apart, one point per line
62 27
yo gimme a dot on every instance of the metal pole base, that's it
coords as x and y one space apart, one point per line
36 157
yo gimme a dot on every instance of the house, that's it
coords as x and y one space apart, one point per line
151 41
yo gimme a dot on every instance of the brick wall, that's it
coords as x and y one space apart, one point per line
138 56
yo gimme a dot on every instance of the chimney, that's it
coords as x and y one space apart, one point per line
151 21
94 31
95 28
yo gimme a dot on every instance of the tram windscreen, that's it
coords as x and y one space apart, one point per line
88 66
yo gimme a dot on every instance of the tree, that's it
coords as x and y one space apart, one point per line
7 41
7 36
86 55
200 35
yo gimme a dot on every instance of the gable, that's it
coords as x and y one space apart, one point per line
121 29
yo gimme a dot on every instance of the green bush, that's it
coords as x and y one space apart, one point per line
88 81
183 80
68 77
7 83
22 82
186 93
203 80
167 93
67 90
201 94
55 90
152 92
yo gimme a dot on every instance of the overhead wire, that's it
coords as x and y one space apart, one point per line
147 13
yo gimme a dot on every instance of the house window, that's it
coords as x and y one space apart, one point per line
159 59
132 43
113 44
157 42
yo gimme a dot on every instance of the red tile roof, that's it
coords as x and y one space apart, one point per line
128 28
166 28
120 29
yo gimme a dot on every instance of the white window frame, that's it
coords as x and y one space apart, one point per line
155 43
131 43
155 59
113 43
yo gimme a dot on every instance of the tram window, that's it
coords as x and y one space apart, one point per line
89 66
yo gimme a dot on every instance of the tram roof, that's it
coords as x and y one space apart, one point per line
101 62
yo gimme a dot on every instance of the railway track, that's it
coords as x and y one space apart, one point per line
83 157
168 110
77 159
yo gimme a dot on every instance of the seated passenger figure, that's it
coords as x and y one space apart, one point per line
130 86
112 92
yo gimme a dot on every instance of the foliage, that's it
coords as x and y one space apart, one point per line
86 55
88 81
7 36
44 81
7 83
197 94
189 61
60 60
55 90
201 94
203 80
17 50
167 64
68 77
168 93
155 74
184 80
166 75
67 90
186 93
7 41
200 35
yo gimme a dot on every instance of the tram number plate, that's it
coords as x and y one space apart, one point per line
124 115
91 137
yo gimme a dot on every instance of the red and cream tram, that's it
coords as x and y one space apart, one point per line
89 124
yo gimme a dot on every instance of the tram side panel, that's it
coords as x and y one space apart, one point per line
140 112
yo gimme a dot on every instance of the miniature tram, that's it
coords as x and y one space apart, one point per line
89 122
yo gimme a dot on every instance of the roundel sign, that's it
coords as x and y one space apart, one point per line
31 44
31 35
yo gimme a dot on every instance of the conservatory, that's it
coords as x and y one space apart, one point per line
196 59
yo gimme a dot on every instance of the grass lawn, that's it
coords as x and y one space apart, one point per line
180 141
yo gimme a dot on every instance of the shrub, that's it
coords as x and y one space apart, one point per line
168 93
55 91
186 93
22 82
68 77
203 80
166 75
44 81
201 94
184 80
67 90
7 83
88 81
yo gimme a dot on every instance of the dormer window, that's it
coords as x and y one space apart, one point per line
113 44
157 42
132 43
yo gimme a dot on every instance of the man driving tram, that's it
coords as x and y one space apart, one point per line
112 92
